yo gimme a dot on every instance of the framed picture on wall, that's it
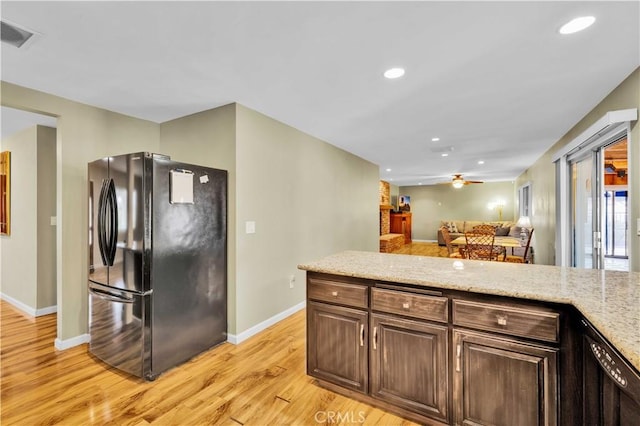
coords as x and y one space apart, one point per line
5 193
405 203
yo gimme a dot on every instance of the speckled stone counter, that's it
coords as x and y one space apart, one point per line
610 300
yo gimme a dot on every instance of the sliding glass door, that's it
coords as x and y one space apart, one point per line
599 207
595 207
585 253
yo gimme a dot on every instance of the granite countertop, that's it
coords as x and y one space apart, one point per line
610 300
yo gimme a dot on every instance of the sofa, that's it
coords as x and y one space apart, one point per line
457 228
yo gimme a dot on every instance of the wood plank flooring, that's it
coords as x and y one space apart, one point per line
423 249
261 381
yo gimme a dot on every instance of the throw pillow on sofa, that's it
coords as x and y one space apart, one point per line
502 231
452 228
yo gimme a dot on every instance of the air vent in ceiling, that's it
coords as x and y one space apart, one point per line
14 35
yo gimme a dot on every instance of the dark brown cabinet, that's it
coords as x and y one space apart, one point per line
499 381
503 375
337 345
401 224
409 364
441 356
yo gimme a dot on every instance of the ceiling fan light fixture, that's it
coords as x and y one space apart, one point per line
457 183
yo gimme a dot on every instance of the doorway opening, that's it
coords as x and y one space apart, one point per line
30 282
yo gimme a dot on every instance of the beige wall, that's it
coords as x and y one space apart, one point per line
19 262
542 174
307 198
432 203
46 187
208 139
84 134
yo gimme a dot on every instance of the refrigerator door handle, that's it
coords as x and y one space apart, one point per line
101 222
113 222
110 296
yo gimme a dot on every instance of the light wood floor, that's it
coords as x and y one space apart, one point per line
261 381
423 249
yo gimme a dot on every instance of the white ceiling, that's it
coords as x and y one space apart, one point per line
494 80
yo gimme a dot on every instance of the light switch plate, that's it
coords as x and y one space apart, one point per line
250 227
638 227
54 221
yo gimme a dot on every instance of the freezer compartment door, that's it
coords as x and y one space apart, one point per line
118 327
188 264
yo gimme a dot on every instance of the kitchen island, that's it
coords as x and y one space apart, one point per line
457 317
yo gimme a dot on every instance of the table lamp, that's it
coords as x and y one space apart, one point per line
525 224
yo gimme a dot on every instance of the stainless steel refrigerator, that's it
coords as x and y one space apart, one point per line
157 261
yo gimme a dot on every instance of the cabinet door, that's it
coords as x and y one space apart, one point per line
503 382
409 364
407 229
337 345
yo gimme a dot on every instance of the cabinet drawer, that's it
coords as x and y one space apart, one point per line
336 292
409 304
521 321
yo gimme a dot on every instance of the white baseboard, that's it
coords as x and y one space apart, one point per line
19 305
231 338
425 241
46 311
239 338
61 345
28 309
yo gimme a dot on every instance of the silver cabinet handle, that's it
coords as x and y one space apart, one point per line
375 338
361 334
502 320
405 305
334 293
458 355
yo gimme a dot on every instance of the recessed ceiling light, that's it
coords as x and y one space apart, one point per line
394 73
481 162
577 24
419 183
388 170
435 139
444 154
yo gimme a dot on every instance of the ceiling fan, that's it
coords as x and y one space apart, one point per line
459 182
